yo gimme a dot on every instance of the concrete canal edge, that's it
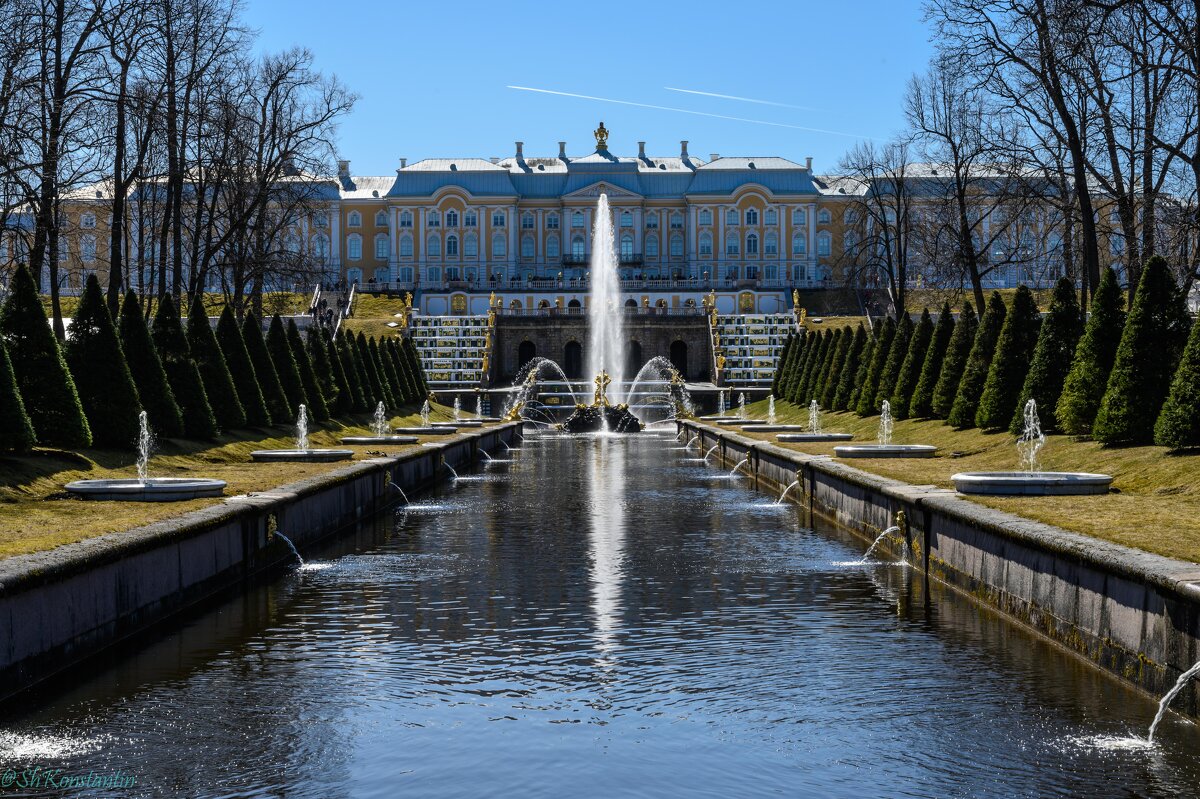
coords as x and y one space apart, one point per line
1131 613
59 607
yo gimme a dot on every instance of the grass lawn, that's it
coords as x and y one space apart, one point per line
1155 505
37 514
372 314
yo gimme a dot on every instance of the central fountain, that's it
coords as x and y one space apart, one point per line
303 452
601 416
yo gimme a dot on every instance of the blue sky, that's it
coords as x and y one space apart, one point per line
433 77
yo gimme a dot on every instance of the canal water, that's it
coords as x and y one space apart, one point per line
598 617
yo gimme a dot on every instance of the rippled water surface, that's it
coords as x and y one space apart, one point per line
600 617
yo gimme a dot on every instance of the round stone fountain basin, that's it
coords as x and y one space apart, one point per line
727 421
379 440
885 451
802 437
781 428
1032 483
427 431
302 455
459 423
712 418
154 489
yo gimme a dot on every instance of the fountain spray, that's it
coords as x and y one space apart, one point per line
741 406
814 417
885 423
380 425
1032 439
145 443
302 429
457 408
771 410
425 414
479 407
606 341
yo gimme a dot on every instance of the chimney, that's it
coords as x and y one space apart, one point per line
683 150
562 150
808 163
343 169
494 160
520 151
713 156
642 150
403 163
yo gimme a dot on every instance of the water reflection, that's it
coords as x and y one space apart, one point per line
606 503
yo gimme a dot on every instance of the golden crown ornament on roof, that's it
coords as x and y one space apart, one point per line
601 134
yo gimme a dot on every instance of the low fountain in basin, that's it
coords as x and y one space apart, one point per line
814 431
145 488
426 429
885 448
302 452
1031 480
381 430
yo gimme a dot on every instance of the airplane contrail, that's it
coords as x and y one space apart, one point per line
742 99
689 111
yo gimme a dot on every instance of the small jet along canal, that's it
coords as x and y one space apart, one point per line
600 615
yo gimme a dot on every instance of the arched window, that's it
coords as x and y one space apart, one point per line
771 217
451 220
320 246
823 216
799 217
705 244
731 216
578 248
678 352
752 244
577 219
770 244
406 246
434 219
552 247
354 220
799 244
573 354
626 247
527 221
527 247
499 247
706 217
676 246
526 350
433 248
751 216
824 243
452 244
471 246
652 246
381 219
498 218
382 245
406 219
626 219
516 305
354 246
731 246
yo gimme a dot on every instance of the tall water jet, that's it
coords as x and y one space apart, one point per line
605 323
144 445
379 424
302 429
741 406
457 409
425 414
720 403
479 407
885 424
303 451
380 431
814 417
771 410
1032 438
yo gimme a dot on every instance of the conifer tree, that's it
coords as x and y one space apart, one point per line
379 392
264 371
783 363
358 394
172 346
1146 360
1056 343
154 391
322 368
409 383
850 369
285 366
1085 384
883 346
1178 425
921 404
955 363
895 359
317 409
106 389
214 371
45 384
979 362
860 376
344 397
910 368
414 361
1010 364
829 385
16 431
812 376
354 356
394 384
384 381
812 344
241 369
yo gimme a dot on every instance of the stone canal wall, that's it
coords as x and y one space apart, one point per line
1131 613
64 605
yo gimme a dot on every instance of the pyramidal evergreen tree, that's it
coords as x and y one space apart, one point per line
895 359
172 346
850 369
379 392
106 389
921 404
418 370
214 371
1178 425
979 362
783 363
343 402
285 366
378 369
241 369
812 377
355 356
1010 364
910 369
45 385
955 362
1056 343
833 373
812 344
264 371
322 368
1146 360
883 346
154 391
358 394
317 409
411 390
860 376
1092 363
16 431
394 384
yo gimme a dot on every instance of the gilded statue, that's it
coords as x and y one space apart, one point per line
601 134
720 363
602 380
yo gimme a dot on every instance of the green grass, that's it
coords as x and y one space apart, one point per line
1156 505
372 314
279 302
37 514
